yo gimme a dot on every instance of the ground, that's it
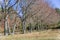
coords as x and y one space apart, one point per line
41 35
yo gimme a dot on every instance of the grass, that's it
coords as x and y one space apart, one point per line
42 35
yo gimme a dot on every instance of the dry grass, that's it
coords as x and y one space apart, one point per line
42 35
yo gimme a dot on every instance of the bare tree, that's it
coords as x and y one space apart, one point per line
25 4
5 10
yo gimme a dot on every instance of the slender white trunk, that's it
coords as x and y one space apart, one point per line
9 31
6 26
13 31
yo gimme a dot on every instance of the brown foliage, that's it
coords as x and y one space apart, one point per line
43 12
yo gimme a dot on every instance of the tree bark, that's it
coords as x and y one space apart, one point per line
6 26
23 25
9 31
13 31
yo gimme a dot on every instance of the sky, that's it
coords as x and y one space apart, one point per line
54 3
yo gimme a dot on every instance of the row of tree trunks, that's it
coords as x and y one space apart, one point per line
7 28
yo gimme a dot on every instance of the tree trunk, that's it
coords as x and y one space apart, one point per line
6 26
23 25
30 27
9 31
13 31
38 28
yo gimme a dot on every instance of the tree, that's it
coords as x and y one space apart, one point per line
5 10
24 9
28 9
57 10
